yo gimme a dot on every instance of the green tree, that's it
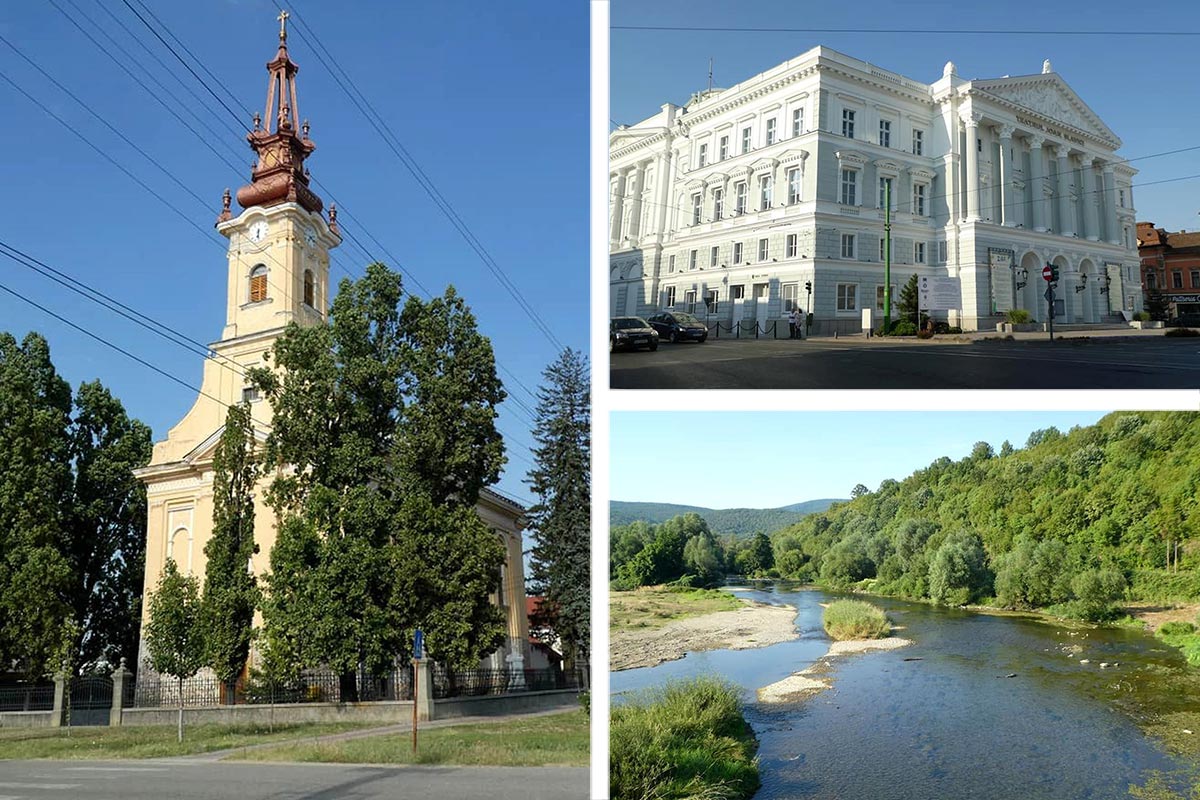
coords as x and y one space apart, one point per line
702 558
378 533
958 573
36 575
858 491
1096 590
764 554
910 300
174 632
230 590
560 522
107 526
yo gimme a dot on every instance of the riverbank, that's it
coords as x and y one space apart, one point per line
695 625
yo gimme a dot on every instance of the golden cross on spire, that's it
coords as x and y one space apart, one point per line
283 18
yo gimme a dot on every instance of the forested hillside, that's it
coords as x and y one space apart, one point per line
1077 519
735 521
1073 521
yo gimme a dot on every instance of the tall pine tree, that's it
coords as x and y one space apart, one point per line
230 590
560 521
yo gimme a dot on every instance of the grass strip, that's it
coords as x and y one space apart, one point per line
655 606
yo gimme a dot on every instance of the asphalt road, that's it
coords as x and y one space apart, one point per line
192 780
1113 363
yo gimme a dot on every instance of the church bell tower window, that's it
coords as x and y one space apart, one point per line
309 291
258 284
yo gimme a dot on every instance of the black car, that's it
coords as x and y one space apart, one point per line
679 326
631 332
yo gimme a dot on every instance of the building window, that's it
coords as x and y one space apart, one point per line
1176 279
764 249
711 301
790 246
250 394
696 205
793 179
689 301
1151 280
712 256
885 133
670 299
918 203
846 300
745 140
849 195
979 145
942 252
1121 197
692 260
797 121
765 186
918 252
737 252
847 123
723 152
740 202
848 245
882 248
671 265
879 297
718 203
737 292
309 289
258 284
790 292
918 142
885 188
703 155
770 131
1196 279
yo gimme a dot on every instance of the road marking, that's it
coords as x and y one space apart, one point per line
114 769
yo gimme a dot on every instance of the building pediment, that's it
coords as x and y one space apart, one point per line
1048 96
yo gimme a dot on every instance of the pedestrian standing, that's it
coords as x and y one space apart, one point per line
792 324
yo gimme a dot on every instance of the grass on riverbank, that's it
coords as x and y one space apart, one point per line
655 606
547 740
686 739
1182 635
150 741
855 619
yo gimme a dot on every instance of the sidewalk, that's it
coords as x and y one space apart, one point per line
971 337
400 727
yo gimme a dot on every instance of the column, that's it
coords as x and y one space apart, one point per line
635 210
120 677
1091 228
62 683
423 694
1111 224
1007 192
1037 182
972 123
616 209
1065 221
662 192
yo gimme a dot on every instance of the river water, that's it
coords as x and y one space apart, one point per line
951 724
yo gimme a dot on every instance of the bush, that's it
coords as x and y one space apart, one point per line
1182 332
1142 316
686 739
1176 628
903 327
854 619
1018 316
1095 590
925 333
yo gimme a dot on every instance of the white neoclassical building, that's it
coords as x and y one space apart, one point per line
737 204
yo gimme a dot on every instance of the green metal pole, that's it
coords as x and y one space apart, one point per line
887 255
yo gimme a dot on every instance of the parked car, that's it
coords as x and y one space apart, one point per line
679 326
632 333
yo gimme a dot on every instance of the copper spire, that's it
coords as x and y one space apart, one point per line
279 175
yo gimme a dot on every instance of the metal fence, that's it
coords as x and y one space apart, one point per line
478 682
317 686
27 698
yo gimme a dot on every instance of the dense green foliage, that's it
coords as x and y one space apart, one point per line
855 619
230 590
686 739
174 633
72 516
683 549
560 522
724 521
1073 521
378 532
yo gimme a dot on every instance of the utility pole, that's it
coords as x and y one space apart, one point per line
887 258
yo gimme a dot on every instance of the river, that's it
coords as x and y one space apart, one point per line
951 724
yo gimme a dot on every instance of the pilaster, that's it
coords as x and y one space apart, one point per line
1037 170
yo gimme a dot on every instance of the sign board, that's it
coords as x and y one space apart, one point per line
939 293
1047 273
419 644
1049 295
1000 272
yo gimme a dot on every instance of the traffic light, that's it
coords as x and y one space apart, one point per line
1054 273
808 286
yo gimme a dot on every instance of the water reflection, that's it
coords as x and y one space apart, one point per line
952 724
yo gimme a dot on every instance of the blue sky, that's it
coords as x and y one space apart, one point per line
491 102
767 459
1142 87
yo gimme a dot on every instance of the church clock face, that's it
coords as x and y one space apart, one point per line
310 238
258 231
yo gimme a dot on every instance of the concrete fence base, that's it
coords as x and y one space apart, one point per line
26 719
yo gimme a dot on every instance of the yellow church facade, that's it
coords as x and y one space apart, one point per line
278 273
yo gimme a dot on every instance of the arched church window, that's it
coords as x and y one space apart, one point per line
258 284
309 290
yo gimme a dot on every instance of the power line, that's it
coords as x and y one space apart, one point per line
902 31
